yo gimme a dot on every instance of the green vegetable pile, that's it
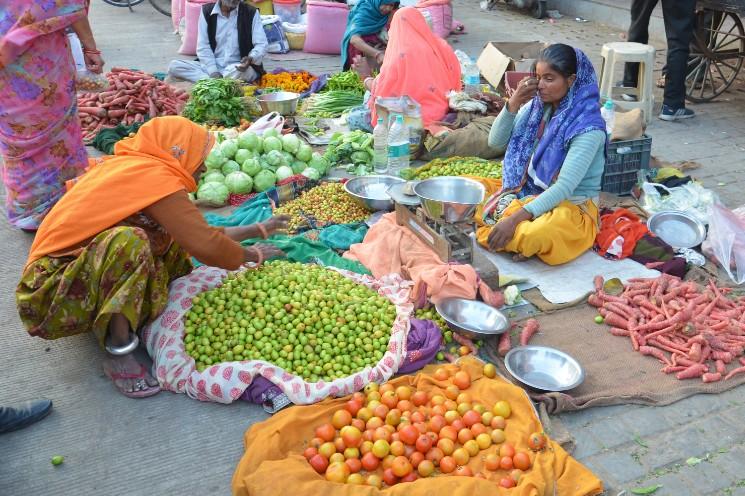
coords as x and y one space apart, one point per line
431 314
324 204
455 166
254 163
330 104
353 149
345 81
216 102
308 320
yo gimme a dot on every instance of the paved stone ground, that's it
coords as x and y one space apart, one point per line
171 444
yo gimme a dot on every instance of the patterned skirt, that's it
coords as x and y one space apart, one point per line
116 273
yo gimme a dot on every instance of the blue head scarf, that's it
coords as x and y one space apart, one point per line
364 19
578 113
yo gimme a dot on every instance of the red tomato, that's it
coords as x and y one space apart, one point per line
319 463
423 443
327 449
405 406
375 480
433 436
353 407
337 472
416 458
461 456
491 462
478 428
426 468
339 443
389 399
341 418
366 447
439 410
386 387
507 450
316 442
447 464
409 434
374 423
401 466
310 452
410 477
498 422
388 461
326 432
351 436
435 455
516 475
463 471
359 397
358 423
462 379
447 446
506 463
537 441
464 435
449 432
397 448
419 398
393 417
389 478
421 427
458 424
507 482
354 464
471 418
381 433
381 411
409 450
403 392
521 461
436 423
441 374
452 392
417 417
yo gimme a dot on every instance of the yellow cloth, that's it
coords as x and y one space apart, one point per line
273 462
556 237
159 161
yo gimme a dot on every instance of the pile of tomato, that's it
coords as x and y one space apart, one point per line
390 435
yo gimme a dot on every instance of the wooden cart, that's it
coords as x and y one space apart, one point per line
717 49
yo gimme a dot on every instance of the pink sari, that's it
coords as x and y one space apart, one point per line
40 141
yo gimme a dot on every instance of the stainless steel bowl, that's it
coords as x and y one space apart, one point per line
544 368
473 319
453 199
372 191
282 102
677 228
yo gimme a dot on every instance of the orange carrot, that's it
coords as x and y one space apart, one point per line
696 370
734 372
619 332
598 282
721 367
615 320
711 377
658 354
595 300
530 328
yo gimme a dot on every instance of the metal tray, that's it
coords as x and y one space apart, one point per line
677 228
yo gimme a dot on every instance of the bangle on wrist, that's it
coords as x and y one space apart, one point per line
91 51
262 230
259 255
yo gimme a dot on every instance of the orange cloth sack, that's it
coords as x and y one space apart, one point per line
619 233
273 462
158 161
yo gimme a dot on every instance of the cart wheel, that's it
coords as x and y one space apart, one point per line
539 9
124 3
717 53
162 6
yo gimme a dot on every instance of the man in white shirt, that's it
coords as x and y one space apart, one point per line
231 43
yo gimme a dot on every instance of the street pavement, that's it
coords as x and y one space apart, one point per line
171 444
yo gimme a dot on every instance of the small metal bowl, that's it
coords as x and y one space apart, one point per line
450 198
543 368
400 193
471 318
677 228
282 102
372 191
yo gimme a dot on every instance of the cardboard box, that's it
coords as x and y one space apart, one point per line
499 57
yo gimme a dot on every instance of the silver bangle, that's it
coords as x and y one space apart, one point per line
122 350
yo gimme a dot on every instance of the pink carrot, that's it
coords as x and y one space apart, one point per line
711 377
530 328
692 372
504 344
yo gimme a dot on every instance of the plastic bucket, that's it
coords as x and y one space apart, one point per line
288 10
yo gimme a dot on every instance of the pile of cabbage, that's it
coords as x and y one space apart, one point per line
252 163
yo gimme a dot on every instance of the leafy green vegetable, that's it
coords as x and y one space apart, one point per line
298 167
318 162
284 172
229 148
216 101
230 166
264 180
346 81
242 155
290 143
304 153
353 148
275 158
252 166
647 490
239 183
248 140
213 193
215 159
312 173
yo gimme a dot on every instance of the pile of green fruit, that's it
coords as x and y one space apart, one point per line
431 314
253 163
308 320
326 204
455 166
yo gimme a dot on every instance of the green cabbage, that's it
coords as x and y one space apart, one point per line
252 166
213 177
288 158
215 159
248 140
213 193
312 173
290 143
284 172
272 143
239 183
264 180
272 132
242 155
229 147
298 167
319 163
304 152
275 158
230 166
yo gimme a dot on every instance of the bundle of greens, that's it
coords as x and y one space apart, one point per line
216 102
353 150
345 81
331 103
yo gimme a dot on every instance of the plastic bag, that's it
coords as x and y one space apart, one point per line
275 36
725 241
85 80
226 382
691 198
271 120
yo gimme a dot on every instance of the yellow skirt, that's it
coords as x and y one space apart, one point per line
556 237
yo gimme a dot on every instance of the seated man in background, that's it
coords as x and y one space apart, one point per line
231 43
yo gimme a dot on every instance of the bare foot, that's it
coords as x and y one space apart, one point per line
130 377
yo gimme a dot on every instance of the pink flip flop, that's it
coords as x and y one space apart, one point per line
146 390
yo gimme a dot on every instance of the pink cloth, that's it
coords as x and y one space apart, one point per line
417 64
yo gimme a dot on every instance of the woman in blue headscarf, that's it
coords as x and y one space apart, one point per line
366 20
555 144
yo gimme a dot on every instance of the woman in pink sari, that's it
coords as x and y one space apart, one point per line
40 141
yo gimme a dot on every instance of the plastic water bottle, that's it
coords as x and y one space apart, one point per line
380 147
609 116
398 146
472 78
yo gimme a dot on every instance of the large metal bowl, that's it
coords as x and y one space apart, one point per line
282 102
452 199
677 228
473 319
372 191
543 368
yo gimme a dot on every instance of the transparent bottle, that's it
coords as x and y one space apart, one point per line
398 146
380 147
609 116
471 79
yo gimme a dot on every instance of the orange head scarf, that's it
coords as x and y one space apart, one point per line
417 64
160 160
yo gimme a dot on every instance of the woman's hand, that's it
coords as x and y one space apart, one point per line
524 93
277 224
261 252
361 67
501 234
379 57
93 62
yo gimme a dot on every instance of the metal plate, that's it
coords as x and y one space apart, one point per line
396 192
473 319
544 368
677 228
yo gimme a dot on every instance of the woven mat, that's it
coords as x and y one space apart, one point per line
614 373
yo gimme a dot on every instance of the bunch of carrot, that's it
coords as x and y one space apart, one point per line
132 96
526 334
694 331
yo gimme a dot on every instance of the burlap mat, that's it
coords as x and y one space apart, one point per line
614 373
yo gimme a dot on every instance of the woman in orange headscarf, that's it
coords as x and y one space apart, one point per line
103 257
417 64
